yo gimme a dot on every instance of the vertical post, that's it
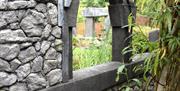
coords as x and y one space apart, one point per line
67 15
89 27
119 12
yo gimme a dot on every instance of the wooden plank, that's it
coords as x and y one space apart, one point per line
66 50
67 20
96 78
95 12
72 12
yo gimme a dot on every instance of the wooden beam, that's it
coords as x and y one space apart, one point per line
96 78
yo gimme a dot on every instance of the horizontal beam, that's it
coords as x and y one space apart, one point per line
95 78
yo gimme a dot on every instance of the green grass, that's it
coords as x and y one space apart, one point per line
95 51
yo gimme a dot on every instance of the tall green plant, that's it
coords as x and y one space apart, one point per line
164 62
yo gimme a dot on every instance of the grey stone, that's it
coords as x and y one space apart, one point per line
15 64
27 55
58 42
51 54
7 79
21 4
20 14
49 65
9 52
4 65
54 76
53 45
58 45
154 35
31 3
16 36
38 16
45 46
17 4
25 45
36 82
3 23
59 48
56 32
47 31
32 24
19 87
3 4
37 64
9 16
5 89
38 46
59 59
41 8
14 26
51 38
23 71
52 13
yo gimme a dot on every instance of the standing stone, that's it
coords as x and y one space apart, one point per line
50 65
4 66
52 13
35 82
37 64
7 79
27 55
23 71
51 54
18 87
47 31
9 52
56 32
54 77
15 64
45 46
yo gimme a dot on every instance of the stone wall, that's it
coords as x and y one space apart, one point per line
30 45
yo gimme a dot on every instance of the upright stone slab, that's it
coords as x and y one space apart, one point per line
90 14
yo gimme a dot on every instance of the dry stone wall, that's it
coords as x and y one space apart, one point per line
30 45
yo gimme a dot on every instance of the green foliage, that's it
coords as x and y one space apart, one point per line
94 3
97 52
122 71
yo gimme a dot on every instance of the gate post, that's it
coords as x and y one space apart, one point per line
67 17
119 10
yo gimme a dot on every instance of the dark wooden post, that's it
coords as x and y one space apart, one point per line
67 20
119 10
